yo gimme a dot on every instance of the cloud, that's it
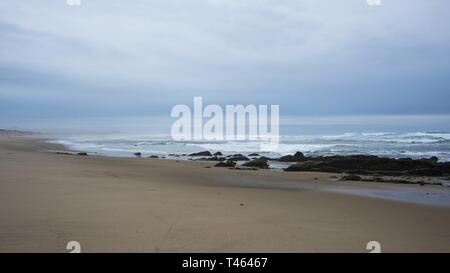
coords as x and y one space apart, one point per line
290 52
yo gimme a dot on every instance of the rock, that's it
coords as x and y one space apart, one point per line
205 153
253 154
351 177
286 158
227 163
369 165
238 157
259 163
82 153
434 159
297 157
444 167
218 154
137 154
153 156
425 172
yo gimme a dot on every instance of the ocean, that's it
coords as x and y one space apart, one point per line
387 144
396 136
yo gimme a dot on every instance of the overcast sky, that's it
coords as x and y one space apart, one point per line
312 57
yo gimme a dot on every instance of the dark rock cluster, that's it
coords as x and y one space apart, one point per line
350 165
372 165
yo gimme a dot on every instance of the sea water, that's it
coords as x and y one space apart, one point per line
387 144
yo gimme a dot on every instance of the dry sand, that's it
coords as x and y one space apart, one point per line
148 205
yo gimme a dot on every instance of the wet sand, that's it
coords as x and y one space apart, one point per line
150 205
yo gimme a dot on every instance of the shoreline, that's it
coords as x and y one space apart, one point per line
414 145
434 191
150 205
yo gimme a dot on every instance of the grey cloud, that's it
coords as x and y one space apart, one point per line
319 57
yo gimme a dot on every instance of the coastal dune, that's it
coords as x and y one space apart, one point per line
148 205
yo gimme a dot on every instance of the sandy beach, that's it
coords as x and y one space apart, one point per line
150 205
